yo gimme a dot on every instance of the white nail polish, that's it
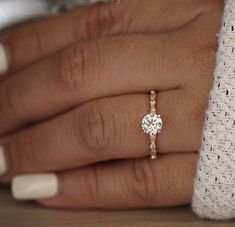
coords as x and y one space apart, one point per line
3 164
35 186
4 64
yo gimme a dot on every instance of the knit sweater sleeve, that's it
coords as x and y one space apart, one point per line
214 190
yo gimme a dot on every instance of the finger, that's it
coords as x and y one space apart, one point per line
37 40
104 130
107 67
137 183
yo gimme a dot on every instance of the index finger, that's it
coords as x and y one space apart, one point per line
36 40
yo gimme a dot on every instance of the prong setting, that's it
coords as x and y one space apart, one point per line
152 124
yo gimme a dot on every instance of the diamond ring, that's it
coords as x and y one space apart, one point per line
152 124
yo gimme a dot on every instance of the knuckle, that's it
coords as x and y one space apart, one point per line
71 70
204 48
97 128
195 128
207 58
77 66
202 60
94 185
143 186
198 117
38 41
205 35
99 20
20 154
34 46
192 117
10 101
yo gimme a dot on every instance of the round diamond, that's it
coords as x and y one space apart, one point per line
152 124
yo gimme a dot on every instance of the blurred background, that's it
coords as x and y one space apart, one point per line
17 11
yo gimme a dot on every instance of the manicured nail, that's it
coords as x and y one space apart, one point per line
35 186
3 164
4 64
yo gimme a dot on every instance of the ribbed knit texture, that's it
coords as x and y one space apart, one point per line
214 195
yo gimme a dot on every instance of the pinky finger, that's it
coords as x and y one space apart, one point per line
167 181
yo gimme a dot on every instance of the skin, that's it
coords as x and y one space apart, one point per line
78 88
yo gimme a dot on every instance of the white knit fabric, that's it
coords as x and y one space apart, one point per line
214 195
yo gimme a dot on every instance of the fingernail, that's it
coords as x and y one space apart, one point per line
3 59
3 164
35 186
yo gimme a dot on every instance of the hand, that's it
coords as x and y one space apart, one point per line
78 88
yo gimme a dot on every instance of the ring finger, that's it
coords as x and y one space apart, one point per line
105 129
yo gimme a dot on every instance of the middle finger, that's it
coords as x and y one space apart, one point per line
101 68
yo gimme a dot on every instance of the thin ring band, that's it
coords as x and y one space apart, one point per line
152 124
